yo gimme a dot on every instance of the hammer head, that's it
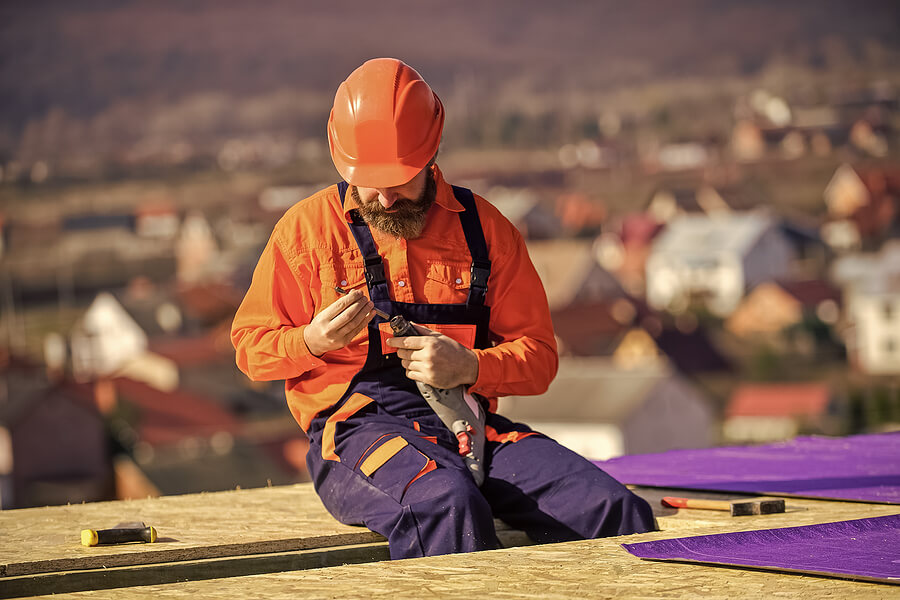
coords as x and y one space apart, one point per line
757 507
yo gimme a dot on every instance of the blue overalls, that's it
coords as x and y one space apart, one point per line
380 457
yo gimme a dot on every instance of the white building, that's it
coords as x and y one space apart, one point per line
871 285
601 411
715 259
105 339
108 342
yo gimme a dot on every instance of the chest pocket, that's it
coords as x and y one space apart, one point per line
349 276
447 283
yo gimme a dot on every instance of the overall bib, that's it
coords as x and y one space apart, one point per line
380 457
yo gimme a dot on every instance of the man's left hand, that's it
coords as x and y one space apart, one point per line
436 359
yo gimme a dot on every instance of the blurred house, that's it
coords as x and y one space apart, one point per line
174 397
775 306
569 270
747 143
713 260
812 255
667 203
601 411
630 336
871 284
772 412
184 441
277 199
690 350
82 253
579 215
105 339
196 249
53 442
115 334
772 129
156 220
873 340
596 328
863 208
682 156
623 250
524 210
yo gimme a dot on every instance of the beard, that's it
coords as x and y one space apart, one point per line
406 218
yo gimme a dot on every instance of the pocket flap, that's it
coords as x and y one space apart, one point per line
463 333
454 276
381 455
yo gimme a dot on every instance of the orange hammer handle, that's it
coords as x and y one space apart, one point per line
696 503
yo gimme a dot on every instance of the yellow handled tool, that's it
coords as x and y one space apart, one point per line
122 533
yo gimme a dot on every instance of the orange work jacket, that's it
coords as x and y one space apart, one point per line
312 249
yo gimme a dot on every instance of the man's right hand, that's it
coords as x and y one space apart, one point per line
334 327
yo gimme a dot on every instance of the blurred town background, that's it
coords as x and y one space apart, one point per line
710 190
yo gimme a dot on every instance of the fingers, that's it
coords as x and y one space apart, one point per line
353 318
338 323
410 343
343 303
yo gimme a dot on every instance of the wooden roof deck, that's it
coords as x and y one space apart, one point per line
280 542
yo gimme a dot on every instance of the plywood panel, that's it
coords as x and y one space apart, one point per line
261 523
587 569
191 527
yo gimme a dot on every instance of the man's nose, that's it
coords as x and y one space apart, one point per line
387 197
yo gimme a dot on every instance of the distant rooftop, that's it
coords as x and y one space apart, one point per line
701 236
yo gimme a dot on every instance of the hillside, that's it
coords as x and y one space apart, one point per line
83 58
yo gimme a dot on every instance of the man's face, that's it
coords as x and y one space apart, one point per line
400 210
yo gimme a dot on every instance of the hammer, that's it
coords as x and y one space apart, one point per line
760 506
120 534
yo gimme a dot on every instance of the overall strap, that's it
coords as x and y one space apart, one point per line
375 279
481 264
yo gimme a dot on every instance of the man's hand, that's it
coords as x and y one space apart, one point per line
334 327
436 359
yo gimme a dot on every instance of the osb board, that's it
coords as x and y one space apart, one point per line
587 569
594 568
191 527
189 570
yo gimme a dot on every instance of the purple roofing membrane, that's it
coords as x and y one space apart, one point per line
861 467
864 549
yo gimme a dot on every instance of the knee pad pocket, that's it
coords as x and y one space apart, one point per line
394 465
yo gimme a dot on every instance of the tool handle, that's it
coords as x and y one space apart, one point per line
97 537
676 502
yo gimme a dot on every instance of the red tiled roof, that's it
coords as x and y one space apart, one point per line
639 229
190 351
811 292
779 400
586 329
209 302
168 417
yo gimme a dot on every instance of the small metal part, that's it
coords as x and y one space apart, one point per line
380 313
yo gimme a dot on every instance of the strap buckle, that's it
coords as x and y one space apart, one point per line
374 270
481 271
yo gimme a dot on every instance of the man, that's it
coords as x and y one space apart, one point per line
405 242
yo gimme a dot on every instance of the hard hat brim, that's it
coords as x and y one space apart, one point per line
378 175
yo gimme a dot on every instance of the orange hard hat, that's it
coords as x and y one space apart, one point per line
385 125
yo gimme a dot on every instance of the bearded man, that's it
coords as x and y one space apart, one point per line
405 242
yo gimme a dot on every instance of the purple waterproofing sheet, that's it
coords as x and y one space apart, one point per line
867 549
861 467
